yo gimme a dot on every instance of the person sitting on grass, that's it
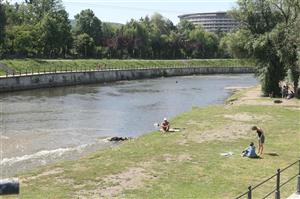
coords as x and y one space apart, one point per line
250 151
165 126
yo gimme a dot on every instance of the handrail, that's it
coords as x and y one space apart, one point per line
278 184
264 181
75 69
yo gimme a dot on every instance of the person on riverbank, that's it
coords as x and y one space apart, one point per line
284 91
261 139
165 126
250 151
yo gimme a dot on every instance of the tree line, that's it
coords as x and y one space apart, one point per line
42 29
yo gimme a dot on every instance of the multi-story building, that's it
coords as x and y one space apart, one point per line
212 21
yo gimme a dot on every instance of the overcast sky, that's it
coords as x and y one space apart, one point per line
122 11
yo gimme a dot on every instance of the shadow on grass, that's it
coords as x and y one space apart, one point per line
272 154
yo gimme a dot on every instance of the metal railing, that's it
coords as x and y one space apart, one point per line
68 69
278 183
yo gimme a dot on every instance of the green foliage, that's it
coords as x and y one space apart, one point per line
55 35
2 21
84 45
2 27
52 35
235 44
88 23
22 40
267 35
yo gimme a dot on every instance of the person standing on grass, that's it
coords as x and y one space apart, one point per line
261 139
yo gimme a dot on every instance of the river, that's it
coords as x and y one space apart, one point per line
42 126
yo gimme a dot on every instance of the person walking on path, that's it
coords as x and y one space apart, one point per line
261 139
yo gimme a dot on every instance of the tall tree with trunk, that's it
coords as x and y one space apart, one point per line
285 37
266 24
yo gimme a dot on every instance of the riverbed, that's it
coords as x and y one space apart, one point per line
42 126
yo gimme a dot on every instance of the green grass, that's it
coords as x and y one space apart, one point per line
185 164
35 65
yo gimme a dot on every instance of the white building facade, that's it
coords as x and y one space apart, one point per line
213 21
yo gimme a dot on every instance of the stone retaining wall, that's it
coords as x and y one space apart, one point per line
74 78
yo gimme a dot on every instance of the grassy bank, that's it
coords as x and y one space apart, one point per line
185 164
35 65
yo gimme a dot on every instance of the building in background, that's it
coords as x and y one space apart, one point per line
212 21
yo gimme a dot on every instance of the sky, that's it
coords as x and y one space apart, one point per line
121 11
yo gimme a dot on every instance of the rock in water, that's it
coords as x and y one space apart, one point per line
118 139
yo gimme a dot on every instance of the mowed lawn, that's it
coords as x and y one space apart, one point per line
184 164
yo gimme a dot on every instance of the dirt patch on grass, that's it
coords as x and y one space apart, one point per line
253 97
229 132
113 185
246 117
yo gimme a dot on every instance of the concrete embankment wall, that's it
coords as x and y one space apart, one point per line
74 78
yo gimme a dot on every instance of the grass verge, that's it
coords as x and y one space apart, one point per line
185 164
39 65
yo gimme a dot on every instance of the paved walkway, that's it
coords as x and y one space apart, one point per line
294 196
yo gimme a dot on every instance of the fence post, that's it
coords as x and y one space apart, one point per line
298 184
277 192
249 192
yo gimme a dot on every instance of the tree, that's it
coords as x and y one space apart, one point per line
22 40
285 39
235 44
261 22
84 45
37 9
55 34
87 22
2 22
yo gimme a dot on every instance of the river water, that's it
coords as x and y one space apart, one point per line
45 125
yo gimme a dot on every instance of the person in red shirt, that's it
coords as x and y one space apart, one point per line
165 126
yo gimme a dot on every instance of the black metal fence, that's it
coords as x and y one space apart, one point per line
279 184
68 69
